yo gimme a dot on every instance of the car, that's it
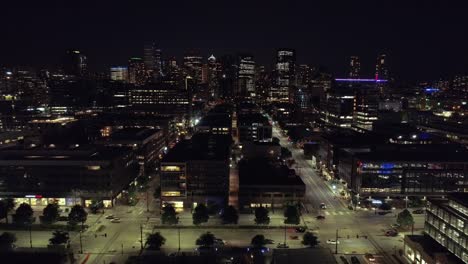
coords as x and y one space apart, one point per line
173 254
269 241
110 217
345 261
282 245
333 242
320 217
418 211
323 206
383 212
395 225
300 229
219 242
115 220
355 260
369 257
294 237
391 233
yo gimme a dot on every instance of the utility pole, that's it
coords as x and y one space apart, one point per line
81 243
30 235
285 234
122 248
336 242
141 236
178 230
147 201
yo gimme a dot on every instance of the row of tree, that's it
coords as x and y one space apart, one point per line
50 214
8 239
230 215
155 241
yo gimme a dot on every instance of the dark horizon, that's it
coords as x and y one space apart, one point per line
422 41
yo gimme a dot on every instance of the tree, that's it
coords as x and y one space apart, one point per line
261 216
258 241
59 237
230 215
206 239
77 215
200 214
309 239
6 206
275 140
50 213
292 215
7 241
169 215
23 214
142 183
385 207
155 241
405 219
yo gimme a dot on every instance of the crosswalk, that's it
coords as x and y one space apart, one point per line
338 213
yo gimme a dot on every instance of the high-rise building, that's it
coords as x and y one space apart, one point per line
119 73
152 60
303 75
285 75
193 66
460 86
246 76
137 71
213 75
354 67
228 76
75 63
381 68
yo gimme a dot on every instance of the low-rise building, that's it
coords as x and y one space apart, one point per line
446 232
267 183
79 174
196 171
254 127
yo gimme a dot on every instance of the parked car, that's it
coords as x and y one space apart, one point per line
395 225
369 257
333 242
355 260
418 211
115 220
269 241
320 217
109 216
282 245
391 233
300 229
294 237
323 206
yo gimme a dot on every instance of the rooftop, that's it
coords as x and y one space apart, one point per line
216 120
261 171
133 134
411 155
248 119
202 146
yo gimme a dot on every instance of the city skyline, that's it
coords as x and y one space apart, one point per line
421 41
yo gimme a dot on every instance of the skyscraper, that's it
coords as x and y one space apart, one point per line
119 73
193 65
354 67
75 63
246 76
152 59
213 75
285 75
136 71
381 70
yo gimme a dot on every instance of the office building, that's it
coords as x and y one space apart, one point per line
75 63
253 127
193 62
213 75
196 171
153 60
137 74
354 67
246 76
285 75
72 175
422 170
119 73
262 182
160 99
445 232
381 68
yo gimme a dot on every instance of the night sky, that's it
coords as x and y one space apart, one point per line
424 41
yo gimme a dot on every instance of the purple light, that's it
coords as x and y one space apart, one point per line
359 80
